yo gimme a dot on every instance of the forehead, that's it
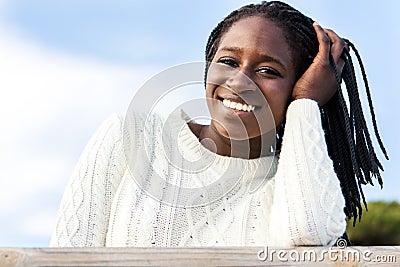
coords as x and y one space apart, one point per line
258 35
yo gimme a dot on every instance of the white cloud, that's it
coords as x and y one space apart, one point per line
37 225
47 100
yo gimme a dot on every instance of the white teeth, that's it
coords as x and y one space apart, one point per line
239 106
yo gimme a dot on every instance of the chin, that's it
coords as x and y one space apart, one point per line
234 132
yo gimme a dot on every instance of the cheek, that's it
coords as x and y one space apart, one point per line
210 88
211 102
278 97
218 74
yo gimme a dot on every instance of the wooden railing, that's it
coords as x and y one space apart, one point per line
230 256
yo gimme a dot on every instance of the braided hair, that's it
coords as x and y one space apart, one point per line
346 133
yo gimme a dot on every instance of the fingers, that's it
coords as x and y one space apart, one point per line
337 47
324 42
330 42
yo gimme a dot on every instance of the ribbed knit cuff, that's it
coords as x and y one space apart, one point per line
303 107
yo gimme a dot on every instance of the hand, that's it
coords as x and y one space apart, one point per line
319 82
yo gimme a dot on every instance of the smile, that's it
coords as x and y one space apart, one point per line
238 106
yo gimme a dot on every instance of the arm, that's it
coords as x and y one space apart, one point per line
308 202
85 207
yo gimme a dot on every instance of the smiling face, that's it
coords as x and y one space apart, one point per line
253 76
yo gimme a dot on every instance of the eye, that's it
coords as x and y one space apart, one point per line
268 71
228 61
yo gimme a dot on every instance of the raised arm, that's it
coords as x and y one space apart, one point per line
308 202
83 215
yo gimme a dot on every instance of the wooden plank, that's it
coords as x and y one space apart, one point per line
226 256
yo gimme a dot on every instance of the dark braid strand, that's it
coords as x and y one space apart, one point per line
346 133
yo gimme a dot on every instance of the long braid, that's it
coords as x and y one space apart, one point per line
371 106
346 133
335 135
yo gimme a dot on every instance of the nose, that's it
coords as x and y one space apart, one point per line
239 81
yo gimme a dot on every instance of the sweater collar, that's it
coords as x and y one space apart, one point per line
193 150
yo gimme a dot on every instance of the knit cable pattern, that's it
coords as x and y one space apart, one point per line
298 201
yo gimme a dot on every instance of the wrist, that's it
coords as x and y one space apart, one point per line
302 107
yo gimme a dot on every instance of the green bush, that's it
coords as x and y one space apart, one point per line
379 226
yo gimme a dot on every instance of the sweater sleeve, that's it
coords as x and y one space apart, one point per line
308 203
82 219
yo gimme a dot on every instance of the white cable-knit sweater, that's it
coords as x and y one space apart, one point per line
299 201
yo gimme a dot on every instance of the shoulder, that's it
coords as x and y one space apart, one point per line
110 130
105 139
113 122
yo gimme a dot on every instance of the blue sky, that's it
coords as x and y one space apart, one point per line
67 66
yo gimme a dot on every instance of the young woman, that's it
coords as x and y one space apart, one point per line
269 68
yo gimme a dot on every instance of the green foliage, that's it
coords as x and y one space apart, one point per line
379 226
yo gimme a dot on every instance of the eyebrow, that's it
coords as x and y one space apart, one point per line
264 57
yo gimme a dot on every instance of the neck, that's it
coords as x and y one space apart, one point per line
247 149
